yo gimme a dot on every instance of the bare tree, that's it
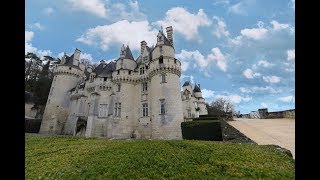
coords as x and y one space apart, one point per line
221 106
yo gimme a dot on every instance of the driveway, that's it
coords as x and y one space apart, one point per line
268 131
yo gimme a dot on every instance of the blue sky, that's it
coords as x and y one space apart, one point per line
242 50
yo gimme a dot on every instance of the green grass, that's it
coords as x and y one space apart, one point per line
62 157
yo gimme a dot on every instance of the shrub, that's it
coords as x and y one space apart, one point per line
209 130
205 118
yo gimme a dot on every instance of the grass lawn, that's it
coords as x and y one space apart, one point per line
61 157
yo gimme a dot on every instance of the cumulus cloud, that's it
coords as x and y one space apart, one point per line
257 89
221 28
264 105
201 61
207 93
95 7
28 36
118 33
254 33
278 26
184 22
291 54
48 11
249 74
36 25
271 79
86 56
29 47
287 99
242 7
234 98
265 63
130 12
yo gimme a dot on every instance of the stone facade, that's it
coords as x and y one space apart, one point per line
123 99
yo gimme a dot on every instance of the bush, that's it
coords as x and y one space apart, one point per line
205 118
32 125
209 130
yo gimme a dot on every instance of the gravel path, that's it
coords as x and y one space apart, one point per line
268 131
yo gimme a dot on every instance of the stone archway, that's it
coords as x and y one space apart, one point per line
81 126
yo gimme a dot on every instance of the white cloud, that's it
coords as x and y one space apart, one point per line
119 11
220 28
29 48
48 11
264 105
287 99
95 7
256 89
254 33
271 79
36 25
234 98
216 55
185 22
265 63
278 26
201 61
242 7
86 56
249 74
121 32
207 94
28 36
291 54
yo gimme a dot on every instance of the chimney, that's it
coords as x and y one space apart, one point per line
169 34
76 57
143 46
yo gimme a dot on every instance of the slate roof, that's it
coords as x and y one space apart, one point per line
69 62
105 71
128 54
187 83
196 88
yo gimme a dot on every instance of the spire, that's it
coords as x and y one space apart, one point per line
196 88
128 54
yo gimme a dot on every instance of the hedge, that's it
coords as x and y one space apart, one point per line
209 130
205 118
32 125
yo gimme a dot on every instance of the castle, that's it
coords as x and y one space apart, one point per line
123 99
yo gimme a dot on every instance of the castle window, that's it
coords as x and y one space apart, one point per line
129 72
161 50
145 109
118 72
144 86
161 59
162 106
69 68
147 67
142 70
189 113
163 78
145 59
117 109
104 79
119 87
175 60
103 110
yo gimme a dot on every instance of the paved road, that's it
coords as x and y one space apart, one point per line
268 131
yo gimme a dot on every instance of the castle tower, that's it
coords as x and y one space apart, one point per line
124 90
166 104
66 76
201 108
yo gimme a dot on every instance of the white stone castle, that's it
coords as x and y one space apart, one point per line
123 99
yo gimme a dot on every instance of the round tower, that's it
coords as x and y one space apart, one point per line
166 103
124 90
201 106
66 76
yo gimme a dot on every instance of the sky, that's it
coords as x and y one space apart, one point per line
241 50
